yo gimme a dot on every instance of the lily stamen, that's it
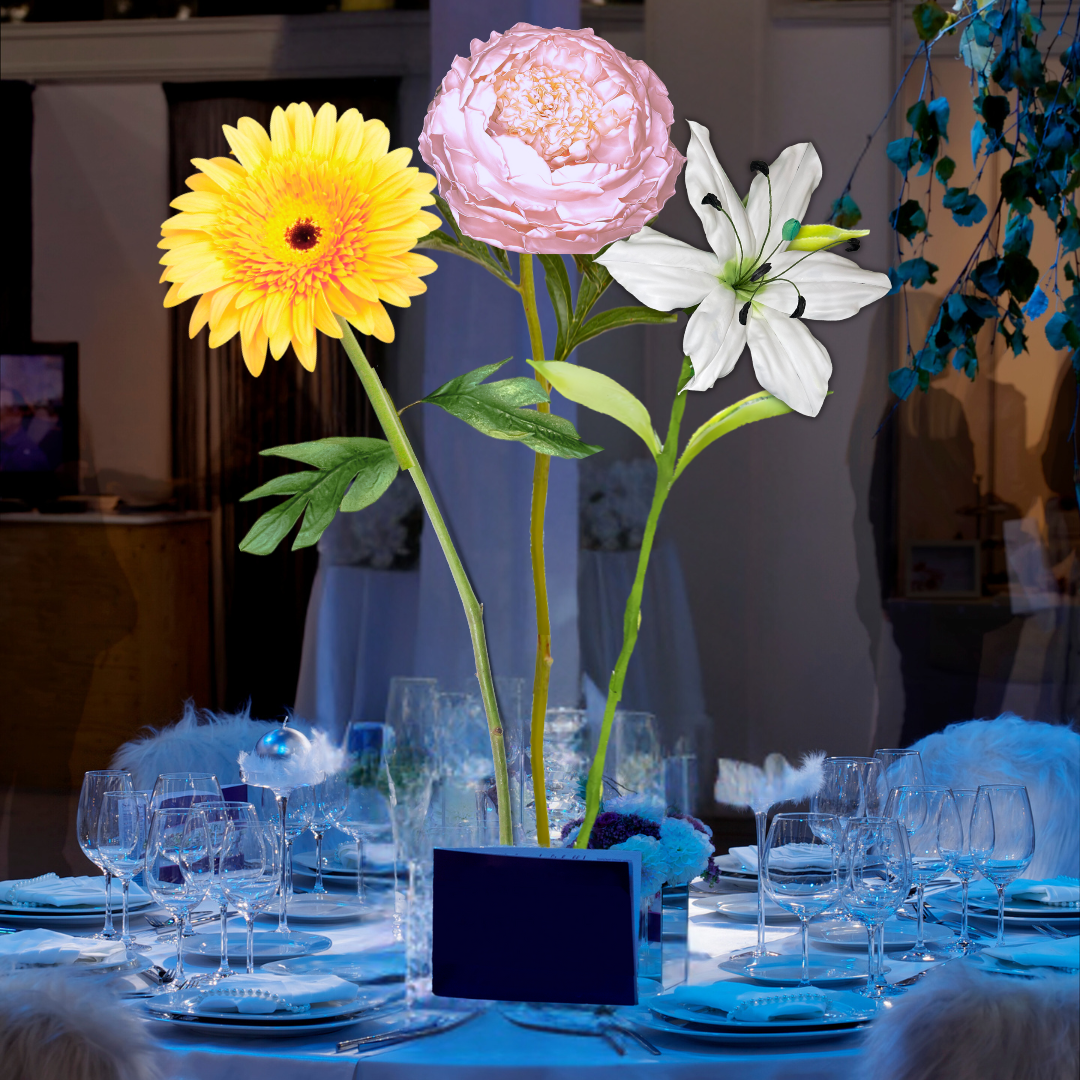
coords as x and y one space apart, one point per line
761 271
713 201
744 313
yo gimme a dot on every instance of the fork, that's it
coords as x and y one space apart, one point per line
1049 931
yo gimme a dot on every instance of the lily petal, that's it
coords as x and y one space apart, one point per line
714 338
793 176
661 272
834 287
705 177
788 360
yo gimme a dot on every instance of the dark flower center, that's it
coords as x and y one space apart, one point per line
303 235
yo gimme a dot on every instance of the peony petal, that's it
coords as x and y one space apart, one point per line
661 272
704 177
833 287
793 176
789 361
714 338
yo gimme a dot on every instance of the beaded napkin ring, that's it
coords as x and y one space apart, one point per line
247 992
779 999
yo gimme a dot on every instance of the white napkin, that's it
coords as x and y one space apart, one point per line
294 989
754 1004
376 857
788 857
1053 952
50 947
50 890
1052 891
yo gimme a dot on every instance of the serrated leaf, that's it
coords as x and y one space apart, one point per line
369 465
562 300
759 406
465 246
601 394
614 318
500 411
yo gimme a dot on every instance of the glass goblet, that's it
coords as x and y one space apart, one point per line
366 814
250 868
900 768
331 798
218 816
965 869
178 790
121 841
801 869
1002 838
91 799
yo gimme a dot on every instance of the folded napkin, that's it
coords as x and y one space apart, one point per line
788 857
1053 952
50 890
376 857
756 1005
269 993
50 947
1053 891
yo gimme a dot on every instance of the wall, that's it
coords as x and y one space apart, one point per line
100 182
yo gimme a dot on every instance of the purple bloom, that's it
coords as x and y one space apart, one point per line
610 829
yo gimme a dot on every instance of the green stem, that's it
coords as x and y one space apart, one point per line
665 477
474 611
542 667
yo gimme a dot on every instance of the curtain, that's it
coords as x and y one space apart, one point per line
223 418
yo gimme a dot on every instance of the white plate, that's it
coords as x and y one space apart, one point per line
953 908
732 864
840 1013
899 934
183 1004
655 1023
373 967
378 862
826 970
724 885
76 910
1003 967
321 908
267 945
744 909
264 1031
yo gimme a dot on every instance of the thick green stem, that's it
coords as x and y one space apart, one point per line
474 611
665 473
542 667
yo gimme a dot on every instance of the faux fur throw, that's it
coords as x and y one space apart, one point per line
1008 750
738 783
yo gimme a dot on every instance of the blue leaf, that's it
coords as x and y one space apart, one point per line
978 136
1037 304
902 382
902 153
967 208
939 115
1061 332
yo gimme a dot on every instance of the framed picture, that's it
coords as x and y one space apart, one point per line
39 420
944 569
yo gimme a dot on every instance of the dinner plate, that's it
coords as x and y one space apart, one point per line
1003 967
47 917
378 862
953 908
78 910
1021 909
826 969
267 945
838 1014
838 934
320 908
724 884
744 909
373 967
184 1004
128 965
693 1031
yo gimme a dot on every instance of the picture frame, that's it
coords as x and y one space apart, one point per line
943 570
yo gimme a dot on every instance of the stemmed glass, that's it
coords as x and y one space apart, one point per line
929 817
250 868
900 768
808 885
365 812
218 817
331 797
297 819
1002 838
177 790
123 825
94 786
178 866
964 868
876 881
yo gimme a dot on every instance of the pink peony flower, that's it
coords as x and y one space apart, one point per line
551 141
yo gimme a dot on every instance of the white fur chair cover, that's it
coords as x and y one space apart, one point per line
57 1026
963 1024
200 741
1008 750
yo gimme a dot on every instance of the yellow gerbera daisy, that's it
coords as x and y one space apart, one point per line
314 220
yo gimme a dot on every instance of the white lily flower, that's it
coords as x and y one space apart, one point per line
753 287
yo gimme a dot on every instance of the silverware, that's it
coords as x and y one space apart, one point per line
603 1028
169 927
640 1038
441 1023
1049 931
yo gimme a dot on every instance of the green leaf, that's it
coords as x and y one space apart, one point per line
562 300
930 19
614 318
595 278
791 228
500 411
368 465
755 407
601 394
466 247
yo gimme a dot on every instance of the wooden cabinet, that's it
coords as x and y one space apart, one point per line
104 628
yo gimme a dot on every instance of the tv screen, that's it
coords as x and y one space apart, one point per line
39 439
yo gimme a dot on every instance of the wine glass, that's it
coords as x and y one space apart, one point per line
1002 838
298 814
964 868
804 880
178 866
331 797
876 881
900 768
218 816
250 866
365 814
121 842
91 798
180 789
929 817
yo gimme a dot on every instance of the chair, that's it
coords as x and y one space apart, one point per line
1009 750
964 1024
57 1026
200 741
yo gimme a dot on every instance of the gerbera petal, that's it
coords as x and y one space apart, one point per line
172 297
253 339
349 135
661 272
793 176
245 143
728 231
282 336
302 120
377 140
225 326
325 134
200 182
363 320
788 360
306 351
281 136
200 314
832 286
714 338
324 317
382 328
222 172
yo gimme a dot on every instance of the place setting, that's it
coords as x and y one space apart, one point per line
51 900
